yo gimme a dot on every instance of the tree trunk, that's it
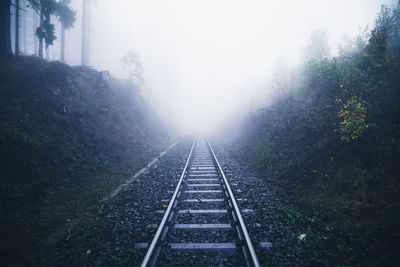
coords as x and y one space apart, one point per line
40 52
62 57
5 39
47 18
84 34
17 27
88 19
35 39
41 38
24 30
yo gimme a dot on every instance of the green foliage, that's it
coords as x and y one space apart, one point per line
359 85
338 146
264 155
291 213
353 114
389 20
322 77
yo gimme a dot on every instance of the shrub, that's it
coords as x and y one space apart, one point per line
353 114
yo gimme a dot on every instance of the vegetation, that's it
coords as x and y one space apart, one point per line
132 64
335 143
45 32
68 135
67 139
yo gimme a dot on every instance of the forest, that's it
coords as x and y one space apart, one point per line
93 140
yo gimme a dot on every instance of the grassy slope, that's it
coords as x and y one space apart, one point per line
347 193
67 138
346 196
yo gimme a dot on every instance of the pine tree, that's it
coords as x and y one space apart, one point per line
5 38
46 30
67 18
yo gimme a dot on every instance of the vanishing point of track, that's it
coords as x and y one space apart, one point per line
202 182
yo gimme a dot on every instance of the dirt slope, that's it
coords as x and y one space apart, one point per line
67 137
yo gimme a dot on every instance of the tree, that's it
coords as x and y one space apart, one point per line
317 47
85 33
131 63
5 38
35 25
46 30
67 18
24 32
389 20
5 17
17 27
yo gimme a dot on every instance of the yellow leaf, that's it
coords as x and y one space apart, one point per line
165 205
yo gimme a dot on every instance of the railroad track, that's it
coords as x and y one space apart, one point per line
204 204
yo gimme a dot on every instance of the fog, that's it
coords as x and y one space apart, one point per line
206 61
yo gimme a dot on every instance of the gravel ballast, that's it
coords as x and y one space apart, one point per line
117 232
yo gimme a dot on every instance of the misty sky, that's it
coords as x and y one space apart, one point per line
199 56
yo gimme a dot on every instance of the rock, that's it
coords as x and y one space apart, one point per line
266 244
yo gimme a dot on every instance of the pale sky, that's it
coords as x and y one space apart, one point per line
198 56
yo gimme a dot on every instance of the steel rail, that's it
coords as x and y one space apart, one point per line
161 227
249 244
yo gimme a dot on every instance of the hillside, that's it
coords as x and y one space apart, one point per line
334 145
68 135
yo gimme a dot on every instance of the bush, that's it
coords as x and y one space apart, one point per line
353 114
